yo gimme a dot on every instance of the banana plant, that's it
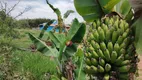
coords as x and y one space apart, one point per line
64 47
103 15
61 24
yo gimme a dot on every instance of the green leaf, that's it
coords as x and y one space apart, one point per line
80 75
124 8
71 34
43 48
54 39
73 30
91 10
80 34
108 5
70 50
45 28
68 13
138 35
57 38
61 37
88 9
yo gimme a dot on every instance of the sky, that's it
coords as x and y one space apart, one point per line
39 9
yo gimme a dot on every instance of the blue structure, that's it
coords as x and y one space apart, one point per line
50 28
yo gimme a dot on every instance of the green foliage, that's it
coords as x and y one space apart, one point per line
124 8
7 25
80 34
23 24
91 10
80 61
31 23
68 13
43 48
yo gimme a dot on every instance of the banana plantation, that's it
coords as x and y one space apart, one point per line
106 45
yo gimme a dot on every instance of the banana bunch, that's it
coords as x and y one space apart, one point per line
109 49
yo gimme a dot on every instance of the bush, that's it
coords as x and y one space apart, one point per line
31 23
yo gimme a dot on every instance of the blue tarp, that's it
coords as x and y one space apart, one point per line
50 28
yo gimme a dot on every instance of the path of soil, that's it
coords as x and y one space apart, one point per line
140 68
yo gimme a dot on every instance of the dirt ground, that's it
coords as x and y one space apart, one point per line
140 68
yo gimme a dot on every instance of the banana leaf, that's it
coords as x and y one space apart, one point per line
72 36
43 48
125 9
68 13
91 10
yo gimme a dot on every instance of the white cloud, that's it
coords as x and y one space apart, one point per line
40 9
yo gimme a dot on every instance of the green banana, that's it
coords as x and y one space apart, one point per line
105 28
126 25
88 61
90 49
90 37
94 69
95 55
113 56
110 22
107 67
116 24
98 22
120 32
101 62
106 77
112 29
119 60
95 45
108 36
116 47
88 69
126 62
126 41
101 34
107 20
94 25
100 53
122 51
96 35
94 61
119 40
122 27
125 34
107 55
114 36
124 69
100 69
110 46
102 46
123 45
86 55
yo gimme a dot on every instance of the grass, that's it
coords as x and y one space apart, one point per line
35 63
24 62
24 41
